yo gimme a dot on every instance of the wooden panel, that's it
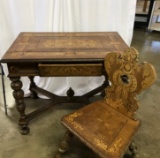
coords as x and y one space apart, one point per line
51 46
70 69
23 69
128 77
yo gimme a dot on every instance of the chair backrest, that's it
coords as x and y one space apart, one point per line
128 77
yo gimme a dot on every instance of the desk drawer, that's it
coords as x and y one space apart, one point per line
70 69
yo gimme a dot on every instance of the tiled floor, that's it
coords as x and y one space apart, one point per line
46 131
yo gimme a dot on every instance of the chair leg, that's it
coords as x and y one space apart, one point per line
64 145
133 149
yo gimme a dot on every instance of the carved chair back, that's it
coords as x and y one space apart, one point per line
127 78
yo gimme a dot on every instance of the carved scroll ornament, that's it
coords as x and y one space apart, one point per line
128 77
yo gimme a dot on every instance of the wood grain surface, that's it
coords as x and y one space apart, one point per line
48 46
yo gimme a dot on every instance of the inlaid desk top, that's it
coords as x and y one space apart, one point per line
30 51
58 46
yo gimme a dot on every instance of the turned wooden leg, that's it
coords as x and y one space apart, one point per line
18 94
133 149
32 84
64 144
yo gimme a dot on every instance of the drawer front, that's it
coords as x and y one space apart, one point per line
70 69
22 69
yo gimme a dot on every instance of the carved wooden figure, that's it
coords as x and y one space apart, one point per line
108 126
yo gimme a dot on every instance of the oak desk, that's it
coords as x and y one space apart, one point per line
57 54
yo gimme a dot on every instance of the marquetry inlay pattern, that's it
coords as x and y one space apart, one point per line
65 45
70 69
128 78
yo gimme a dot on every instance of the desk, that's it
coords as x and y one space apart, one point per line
57 54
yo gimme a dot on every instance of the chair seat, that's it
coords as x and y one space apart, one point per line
103 129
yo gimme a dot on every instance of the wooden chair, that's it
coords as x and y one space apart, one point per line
108 126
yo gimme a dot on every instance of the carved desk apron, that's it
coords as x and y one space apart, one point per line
57 54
